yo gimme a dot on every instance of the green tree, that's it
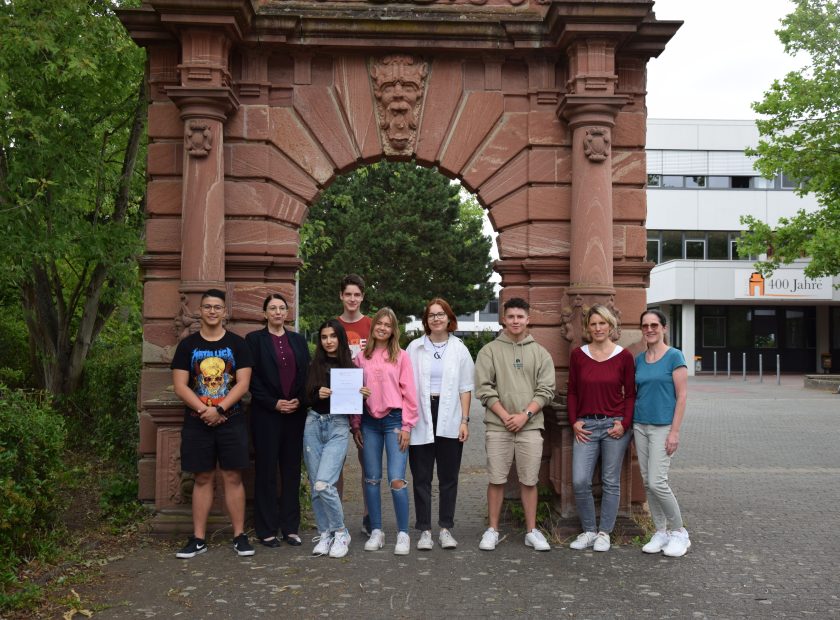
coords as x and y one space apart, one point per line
72 112
801 137
407 231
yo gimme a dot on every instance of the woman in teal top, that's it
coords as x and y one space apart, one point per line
661 381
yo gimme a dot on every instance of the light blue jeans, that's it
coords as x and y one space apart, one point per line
654 464
584 458
325 439
379 434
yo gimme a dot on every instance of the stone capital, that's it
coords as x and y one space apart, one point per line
595 110
202 102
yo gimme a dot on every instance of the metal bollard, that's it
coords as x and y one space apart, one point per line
714 364
778 370
761 368
744 365
728 365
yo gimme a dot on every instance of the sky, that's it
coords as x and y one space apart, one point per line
724 57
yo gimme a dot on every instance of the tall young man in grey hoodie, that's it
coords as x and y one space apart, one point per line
514 380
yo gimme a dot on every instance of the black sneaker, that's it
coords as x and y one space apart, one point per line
366 525
194 547
242 546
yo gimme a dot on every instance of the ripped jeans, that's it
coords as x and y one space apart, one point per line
378 434
325 439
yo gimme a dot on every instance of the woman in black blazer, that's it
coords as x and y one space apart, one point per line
278 416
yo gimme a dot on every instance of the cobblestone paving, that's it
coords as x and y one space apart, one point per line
757 476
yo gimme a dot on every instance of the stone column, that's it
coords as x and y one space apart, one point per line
204 99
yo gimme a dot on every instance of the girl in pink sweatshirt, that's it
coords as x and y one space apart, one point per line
391 413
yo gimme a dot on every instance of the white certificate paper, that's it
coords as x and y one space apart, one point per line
345 384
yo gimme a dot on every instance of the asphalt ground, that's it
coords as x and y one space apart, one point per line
757 476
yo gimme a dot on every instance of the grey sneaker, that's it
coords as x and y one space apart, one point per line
425 543
446 540
583 541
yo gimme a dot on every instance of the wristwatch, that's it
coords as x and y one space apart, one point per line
529 413
221 411
465 420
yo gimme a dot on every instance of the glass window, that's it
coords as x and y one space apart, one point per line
788 182
695 249
714 331
718 245
741 182
695 182
739 328
654 180
762 183
653 250
670 180
764 328
672 247
835 328
719 182
795 329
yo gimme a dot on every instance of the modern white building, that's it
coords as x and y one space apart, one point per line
700 183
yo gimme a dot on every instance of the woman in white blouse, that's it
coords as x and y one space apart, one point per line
443 374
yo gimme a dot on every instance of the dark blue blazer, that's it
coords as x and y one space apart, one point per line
265 378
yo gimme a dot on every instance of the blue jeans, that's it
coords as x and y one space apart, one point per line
379 434
584 458
325 439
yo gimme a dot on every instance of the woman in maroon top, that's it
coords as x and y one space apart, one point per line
601 396
278 415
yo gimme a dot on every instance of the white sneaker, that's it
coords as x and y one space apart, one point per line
324 541
489 540
602 542
535 539
678 544
446 540
657 542
403 545
376 541
583 541
340 545
425 543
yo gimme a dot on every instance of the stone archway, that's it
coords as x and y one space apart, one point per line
537 106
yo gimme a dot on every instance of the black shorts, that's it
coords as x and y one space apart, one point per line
203 446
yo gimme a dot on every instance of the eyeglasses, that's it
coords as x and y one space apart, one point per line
208 308
437 316
277 309
650 326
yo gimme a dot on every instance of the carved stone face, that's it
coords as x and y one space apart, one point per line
398 86
212 374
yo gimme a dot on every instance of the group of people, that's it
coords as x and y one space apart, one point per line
415 412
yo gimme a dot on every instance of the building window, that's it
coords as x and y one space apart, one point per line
695 249
718 245
653 250
654 180
741 182
739 327
764 328
670 180
672 246
694 182
714 331
788 183
719 182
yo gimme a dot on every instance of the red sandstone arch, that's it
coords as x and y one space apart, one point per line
537 106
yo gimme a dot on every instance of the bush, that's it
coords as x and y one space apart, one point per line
32 441
474 342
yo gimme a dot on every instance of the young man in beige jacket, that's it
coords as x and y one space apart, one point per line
514 380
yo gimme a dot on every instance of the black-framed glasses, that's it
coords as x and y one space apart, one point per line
437 316
209 307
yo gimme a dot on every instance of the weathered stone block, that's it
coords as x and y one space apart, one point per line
479 115
148 434
318 108
163 235
164 121
165 159
506 180
445 84
507 140
511 210
352 87
164 197
260 237
161 299
550 165
630 130
629 204
549 202
629 167
635 243
258 198
288 134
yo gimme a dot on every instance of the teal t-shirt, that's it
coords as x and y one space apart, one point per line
655 394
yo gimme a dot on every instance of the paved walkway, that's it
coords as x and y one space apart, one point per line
757 476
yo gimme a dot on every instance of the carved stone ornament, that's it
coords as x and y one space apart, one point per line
596 144
187 322
572 315
399 83
198 138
